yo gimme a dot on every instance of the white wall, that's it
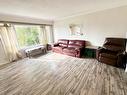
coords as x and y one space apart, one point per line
96 26
14 18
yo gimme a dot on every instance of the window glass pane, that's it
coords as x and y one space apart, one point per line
27 35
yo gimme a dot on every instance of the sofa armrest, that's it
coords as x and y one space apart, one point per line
79 48
79 51
56 44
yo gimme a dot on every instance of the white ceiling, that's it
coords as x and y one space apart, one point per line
55 9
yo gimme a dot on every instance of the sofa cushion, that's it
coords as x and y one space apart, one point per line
80 43
62 45
69 50
74 46
59 49
72 41
63 42
76 43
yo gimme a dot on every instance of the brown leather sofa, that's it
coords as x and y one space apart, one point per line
69 47
112 52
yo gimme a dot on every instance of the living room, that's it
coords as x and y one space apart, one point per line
63 47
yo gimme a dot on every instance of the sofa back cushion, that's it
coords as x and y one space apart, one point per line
63 42
115 44
76 43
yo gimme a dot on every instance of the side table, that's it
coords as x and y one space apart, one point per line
90 51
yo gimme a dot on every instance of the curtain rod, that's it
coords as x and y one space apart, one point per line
25 23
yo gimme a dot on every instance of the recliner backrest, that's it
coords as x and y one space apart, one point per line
115 44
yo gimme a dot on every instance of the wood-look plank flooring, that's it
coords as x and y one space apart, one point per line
56 74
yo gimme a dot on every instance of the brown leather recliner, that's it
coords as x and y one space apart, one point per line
112 52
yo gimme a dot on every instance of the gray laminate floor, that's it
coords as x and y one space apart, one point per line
56 74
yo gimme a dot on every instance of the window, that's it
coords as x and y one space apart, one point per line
27 35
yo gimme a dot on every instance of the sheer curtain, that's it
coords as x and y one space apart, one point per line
43 36
10 42
46 35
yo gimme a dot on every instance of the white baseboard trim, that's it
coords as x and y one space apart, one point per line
126 68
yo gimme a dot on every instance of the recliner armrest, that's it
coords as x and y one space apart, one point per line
100 49
122 53
121 62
